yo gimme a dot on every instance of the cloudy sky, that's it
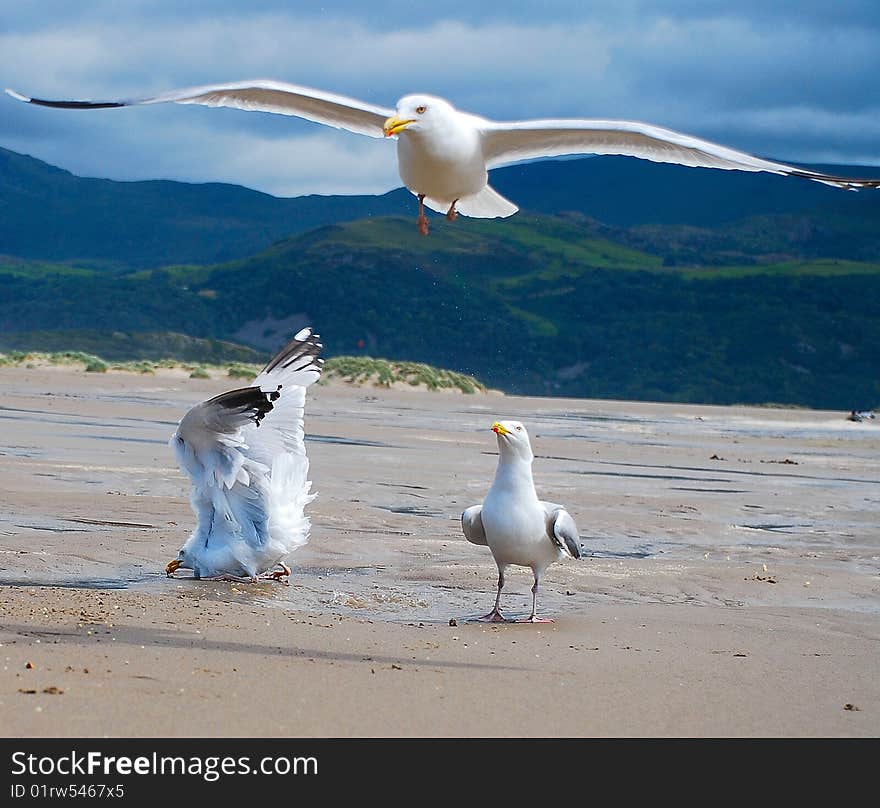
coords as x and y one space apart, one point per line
794 81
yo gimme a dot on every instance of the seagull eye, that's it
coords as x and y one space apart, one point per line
519 429
421 110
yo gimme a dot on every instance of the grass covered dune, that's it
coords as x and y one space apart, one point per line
354 370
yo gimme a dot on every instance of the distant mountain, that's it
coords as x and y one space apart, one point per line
49 214
533 304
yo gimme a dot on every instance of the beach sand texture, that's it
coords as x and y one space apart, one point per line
730 584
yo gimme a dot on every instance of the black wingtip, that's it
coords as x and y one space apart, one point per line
848 183
250 401
77 104
304 346
44 102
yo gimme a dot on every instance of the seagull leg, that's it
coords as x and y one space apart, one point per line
277 575
495 615
533 617
422 221
452 213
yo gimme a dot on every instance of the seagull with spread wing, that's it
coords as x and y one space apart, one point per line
245 453
444 155
514 524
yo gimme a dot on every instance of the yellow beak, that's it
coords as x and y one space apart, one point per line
498 429
172 566
394 125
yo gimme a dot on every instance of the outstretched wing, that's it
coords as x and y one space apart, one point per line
245 446
506 142
472 525
262 95
561 529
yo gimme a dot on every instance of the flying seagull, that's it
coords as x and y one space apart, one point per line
444 155
517 527
245 454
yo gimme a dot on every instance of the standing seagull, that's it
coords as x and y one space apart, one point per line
519 528
245 453
444 155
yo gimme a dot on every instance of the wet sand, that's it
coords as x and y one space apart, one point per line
730 584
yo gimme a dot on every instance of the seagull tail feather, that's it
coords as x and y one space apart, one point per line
487 204
290 492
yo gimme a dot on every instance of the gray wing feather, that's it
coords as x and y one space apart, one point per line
472 525
507 141
562 530
262 95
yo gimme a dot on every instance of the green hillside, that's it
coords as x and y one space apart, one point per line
534 304
49 214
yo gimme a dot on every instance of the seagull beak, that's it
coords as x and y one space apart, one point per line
395 124
498 429
172 566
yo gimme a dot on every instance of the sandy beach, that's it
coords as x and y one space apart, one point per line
730 585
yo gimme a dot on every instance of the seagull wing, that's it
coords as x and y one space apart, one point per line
472 525
262 95
212 435
245 453
561 529
507 142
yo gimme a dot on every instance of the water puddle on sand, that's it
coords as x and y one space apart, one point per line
21 451
349 441
411 510
636 475
68 583
72 524
122 439
619 554
776 528
709 490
